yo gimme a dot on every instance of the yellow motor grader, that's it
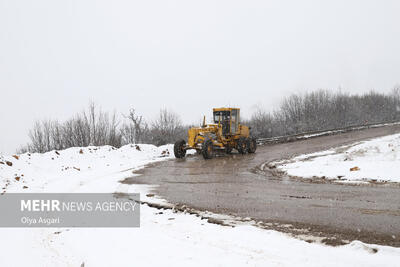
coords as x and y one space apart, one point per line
225 134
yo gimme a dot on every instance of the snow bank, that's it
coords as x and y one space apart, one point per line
374 160
165 238
68 170
176 239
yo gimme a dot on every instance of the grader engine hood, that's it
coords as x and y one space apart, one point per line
196 135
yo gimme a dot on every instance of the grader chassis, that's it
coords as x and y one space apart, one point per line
225 134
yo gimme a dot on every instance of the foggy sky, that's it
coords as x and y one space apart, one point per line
189 56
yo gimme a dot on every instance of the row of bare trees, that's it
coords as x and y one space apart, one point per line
324 110
165 129
93 127
298 113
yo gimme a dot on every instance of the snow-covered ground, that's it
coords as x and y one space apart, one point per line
374 160
90 169
165 238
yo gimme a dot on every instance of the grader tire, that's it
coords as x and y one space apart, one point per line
228 150
207 150
252 145
242 145
179 150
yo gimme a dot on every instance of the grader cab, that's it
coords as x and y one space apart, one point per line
224 134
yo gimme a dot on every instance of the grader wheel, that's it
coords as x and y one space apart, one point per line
207 149
252 145
242 145
179 149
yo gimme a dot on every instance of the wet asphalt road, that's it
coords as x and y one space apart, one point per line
231 184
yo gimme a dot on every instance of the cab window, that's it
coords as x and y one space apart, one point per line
221 116
235 120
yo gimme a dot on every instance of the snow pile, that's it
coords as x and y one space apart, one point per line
68 170
374 160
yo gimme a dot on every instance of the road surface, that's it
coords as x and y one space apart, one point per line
235 185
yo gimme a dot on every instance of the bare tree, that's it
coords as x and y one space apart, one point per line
135 130
167 128
37 138
261 123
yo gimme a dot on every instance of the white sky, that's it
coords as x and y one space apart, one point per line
189 56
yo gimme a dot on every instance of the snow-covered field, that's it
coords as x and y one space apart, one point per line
374 160
90 169
165 238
